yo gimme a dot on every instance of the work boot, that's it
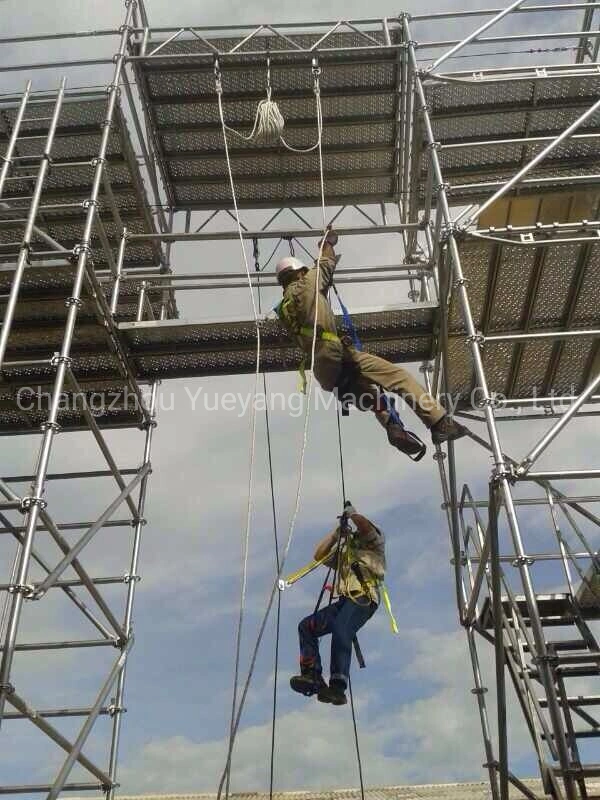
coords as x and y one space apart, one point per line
446 430
309 682
335 693
405 441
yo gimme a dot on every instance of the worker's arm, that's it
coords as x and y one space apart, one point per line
328 260
365 530
326 545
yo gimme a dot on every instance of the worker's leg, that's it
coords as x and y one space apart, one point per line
393 378
328 364
351 617
310 629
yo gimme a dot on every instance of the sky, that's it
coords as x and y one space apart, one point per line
417 718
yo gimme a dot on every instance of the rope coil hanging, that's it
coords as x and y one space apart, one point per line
269 122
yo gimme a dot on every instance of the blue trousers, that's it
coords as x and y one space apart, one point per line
342 620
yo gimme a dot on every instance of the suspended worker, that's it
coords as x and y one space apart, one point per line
358 558
339 366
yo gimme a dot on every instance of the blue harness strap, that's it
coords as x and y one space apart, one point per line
348 324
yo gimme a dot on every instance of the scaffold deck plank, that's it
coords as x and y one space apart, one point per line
69 183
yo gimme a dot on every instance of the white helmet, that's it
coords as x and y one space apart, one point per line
288 263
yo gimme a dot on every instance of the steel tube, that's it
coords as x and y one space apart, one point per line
567 474
67 644
496 589
88 725
56 737
114 300
52 713
11 306
41 788
308 233
131 588
470 612
536 452
467 40
533 163
516 337
10 147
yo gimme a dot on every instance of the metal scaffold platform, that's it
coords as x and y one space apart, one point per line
487 182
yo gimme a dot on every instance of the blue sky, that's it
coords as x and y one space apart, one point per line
417 719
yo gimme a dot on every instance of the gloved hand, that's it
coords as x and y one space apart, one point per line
349 509
330 238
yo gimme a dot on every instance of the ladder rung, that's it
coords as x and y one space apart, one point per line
36 119
578 671
34 157
591 733
585 770
21 178
580 658
563 644
590 700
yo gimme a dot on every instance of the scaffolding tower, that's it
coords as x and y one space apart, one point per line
488 178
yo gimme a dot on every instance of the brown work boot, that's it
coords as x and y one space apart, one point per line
309 682
405 441
335 693
447 429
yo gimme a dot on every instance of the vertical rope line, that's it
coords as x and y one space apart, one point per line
292 527
246 537
275 536
356 742
354 723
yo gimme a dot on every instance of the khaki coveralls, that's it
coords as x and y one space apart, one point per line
361 373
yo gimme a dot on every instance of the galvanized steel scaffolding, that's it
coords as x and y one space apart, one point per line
488 176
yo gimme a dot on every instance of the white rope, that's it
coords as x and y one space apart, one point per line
246 537
269 122
225 777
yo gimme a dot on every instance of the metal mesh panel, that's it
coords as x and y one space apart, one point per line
586 308
497 358
558 269
571 370
510 295
533 366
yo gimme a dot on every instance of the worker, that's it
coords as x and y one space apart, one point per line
340 367
359 560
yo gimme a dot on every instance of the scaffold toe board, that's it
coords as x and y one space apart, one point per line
68 186
488 130
360 99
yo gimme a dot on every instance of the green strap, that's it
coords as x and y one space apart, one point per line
308 330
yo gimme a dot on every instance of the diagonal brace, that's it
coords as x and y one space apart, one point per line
50 731
41 588
561 423
89 723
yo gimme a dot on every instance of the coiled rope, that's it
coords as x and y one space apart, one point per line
237 712
269 122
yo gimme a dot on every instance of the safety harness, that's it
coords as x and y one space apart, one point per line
352 564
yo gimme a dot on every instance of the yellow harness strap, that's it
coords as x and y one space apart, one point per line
388 606
295 576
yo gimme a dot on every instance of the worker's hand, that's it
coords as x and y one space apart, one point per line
330 238
349 509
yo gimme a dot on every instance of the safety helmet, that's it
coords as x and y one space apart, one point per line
287 264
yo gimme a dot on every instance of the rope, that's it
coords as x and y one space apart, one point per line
258 270
269 122
354 723
246 537
236 716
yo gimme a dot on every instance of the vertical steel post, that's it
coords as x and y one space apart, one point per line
35 502
10 149
114 299
493 511
500 471
132 580
28 233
